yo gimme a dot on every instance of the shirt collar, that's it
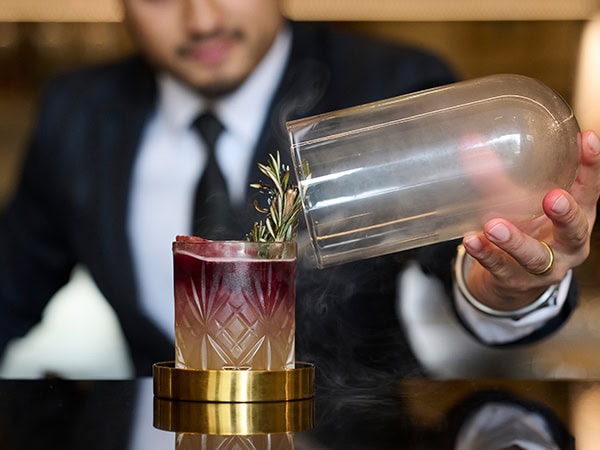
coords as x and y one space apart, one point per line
243 111
178 104
240 112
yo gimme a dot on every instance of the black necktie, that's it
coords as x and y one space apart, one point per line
212 208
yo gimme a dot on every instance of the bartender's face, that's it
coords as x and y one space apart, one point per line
212 45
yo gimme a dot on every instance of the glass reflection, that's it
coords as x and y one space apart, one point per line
231 425
384 414
271 441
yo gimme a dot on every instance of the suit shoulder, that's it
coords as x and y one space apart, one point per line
76 95
346 43
98 82
356 57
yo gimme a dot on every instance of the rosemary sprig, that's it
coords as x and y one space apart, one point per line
283 204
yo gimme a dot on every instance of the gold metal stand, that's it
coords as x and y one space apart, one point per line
243 386
233 418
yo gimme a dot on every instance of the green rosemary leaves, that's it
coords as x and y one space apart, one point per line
283 204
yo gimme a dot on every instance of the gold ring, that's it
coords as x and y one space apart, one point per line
550 261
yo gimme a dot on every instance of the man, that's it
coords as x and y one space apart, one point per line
114 162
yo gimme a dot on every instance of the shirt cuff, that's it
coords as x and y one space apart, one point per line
502 330
500 425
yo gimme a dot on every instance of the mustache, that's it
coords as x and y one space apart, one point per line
199 38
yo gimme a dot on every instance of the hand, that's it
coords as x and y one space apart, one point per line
506 256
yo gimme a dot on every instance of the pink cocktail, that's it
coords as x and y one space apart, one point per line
234 304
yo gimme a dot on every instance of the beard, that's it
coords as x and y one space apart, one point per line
218 87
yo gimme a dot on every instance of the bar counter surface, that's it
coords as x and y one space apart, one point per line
376 413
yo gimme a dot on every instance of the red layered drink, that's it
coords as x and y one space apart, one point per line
234 304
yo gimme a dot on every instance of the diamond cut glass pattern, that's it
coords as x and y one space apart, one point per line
269 441
234 307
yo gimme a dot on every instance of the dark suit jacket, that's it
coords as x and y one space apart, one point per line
71 205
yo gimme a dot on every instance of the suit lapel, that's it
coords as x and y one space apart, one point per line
301 93
118 144
147 343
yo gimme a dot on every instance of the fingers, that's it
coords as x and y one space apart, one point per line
514 256
566 226
590 146
550 263
571 227
586 187
515 261
483 166
501 281
573 214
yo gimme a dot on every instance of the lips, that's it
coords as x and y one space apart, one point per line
210 51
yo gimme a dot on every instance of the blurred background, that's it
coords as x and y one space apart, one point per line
555 41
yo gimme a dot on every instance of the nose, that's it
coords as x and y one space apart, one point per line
202 16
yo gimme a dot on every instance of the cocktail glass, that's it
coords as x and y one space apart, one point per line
234 304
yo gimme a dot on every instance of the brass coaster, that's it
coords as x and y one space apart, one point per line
233 418
233 385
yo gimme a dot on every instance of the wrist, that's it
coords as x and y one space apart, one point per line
460 269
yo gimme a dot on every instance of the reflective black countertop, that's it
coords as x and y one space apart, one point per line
375 414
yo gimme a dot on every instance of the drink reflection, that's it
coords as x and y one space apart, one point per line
277 441
407 414
389 415
224 426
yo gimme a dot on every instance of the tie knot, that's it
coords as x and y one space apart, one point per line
209 128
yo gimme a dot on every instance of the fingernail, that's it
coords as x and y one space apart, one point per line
594 142
561 205
473 243
499 232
